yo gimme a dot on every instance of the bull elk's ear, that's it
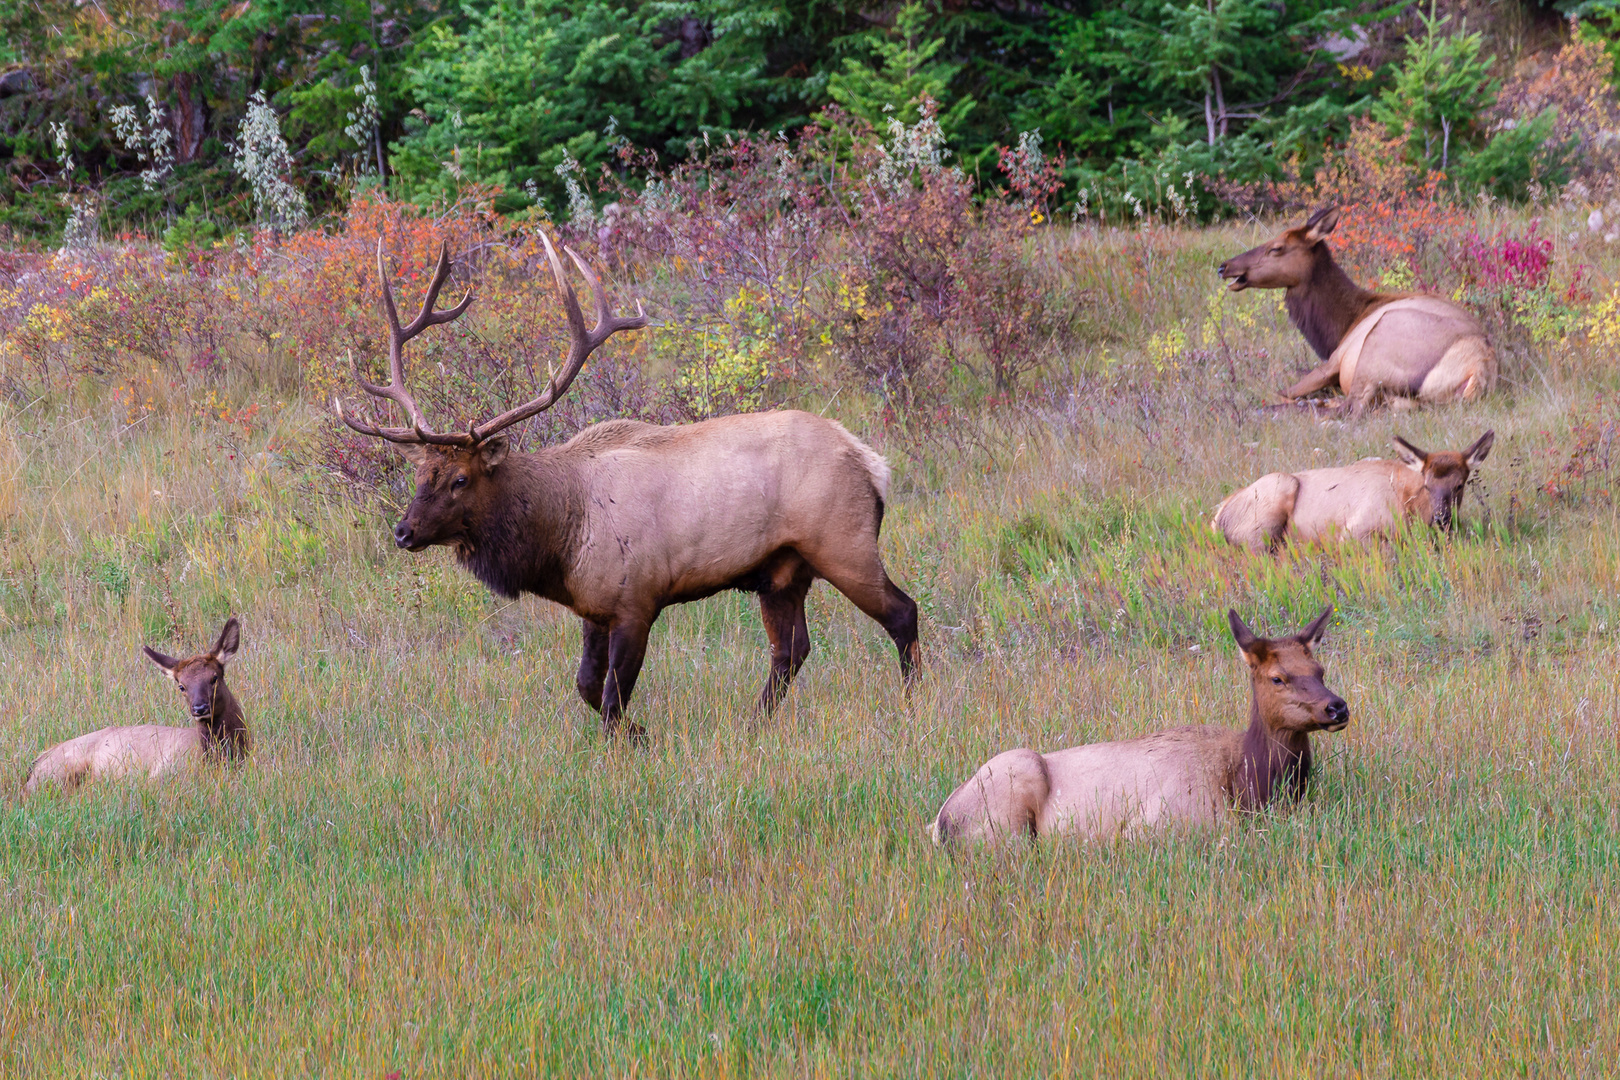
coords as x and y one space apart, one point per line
415 453
1313 633
167 663
230 637
1476 453
1254 647
1415 459
493 451
1319 224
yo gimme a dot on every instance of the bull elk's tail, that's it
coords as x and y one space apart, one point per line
876 467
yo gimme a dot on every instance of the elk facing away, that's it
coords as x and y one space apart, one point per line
1358 501
218 732
628 518
1374 346
1184 776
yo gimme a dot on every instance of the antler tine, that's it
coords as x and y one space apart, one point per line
395 391
427 316
583 343
607 323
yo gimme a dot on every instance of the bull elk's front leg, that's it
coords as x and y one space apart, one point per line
593 664
626 649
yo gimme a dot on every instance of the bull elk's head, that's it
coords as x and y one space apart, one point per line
454 469
1284 261
1445 474
1289 690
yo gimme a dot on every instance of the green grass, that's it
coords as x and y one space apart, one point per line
434 864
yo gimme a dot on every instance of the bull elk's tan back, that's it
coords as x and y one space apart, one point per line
218 730
1374 346
1184 777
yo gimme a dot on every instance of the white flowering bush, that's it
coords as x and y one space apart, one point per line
363 118
149 140
262 159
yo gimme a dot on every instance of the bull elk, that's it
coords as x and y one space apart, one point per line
1189 776
627 518
1374 346
1358 501
218 732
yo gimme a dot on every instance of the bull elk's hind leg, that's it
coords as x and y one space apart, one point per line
883 601
783 613
593 665
626 649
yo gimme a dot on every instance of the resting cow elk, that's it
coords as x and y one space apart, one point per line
1358 501
218 732
1187 776
1374 346
628 518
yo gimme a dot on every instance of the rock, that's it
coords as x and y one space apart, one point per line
17 81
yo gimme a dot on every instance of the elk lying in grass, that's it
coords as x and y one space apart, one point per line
1184 776
1374 346
1361 500
218 732
628 518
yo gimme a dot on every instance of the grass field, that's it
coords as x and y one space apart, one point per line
434 866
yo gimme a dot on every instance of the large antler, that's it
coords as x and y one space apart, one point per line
583 342
395 391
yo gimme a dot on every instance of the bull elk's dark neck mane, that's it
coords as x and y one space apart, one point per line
1271 764
525 537
1325 307
225 733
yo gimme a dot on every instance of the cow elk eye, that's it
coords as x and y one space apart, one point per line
1277 680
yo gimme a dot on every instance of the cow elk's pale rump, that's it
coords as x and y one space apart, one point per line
628 518
1189 776
1368 498
1374 346
218 730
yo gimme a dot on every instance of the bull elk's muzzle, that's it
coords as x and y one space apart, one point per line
405 536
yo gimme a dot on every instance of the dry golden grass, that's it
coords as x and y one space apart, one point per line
433 864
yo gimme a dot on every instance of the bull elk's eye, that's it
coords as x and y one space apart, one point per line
458 482
1276 680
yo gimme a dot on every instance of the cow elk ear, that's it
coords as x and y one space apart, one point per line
415 453
1321 223
1312 634
493 451
230 639
1476 453
1254 647
167 663
1414 458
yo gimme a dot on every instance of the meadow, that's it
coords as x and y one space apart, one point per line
435 866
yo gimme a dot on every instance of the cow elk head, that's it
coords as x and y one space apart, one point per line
201 678
454 469
1445 474
1283 262
1289 693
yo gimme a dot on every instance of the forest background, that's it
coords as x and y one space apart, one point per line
150 104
